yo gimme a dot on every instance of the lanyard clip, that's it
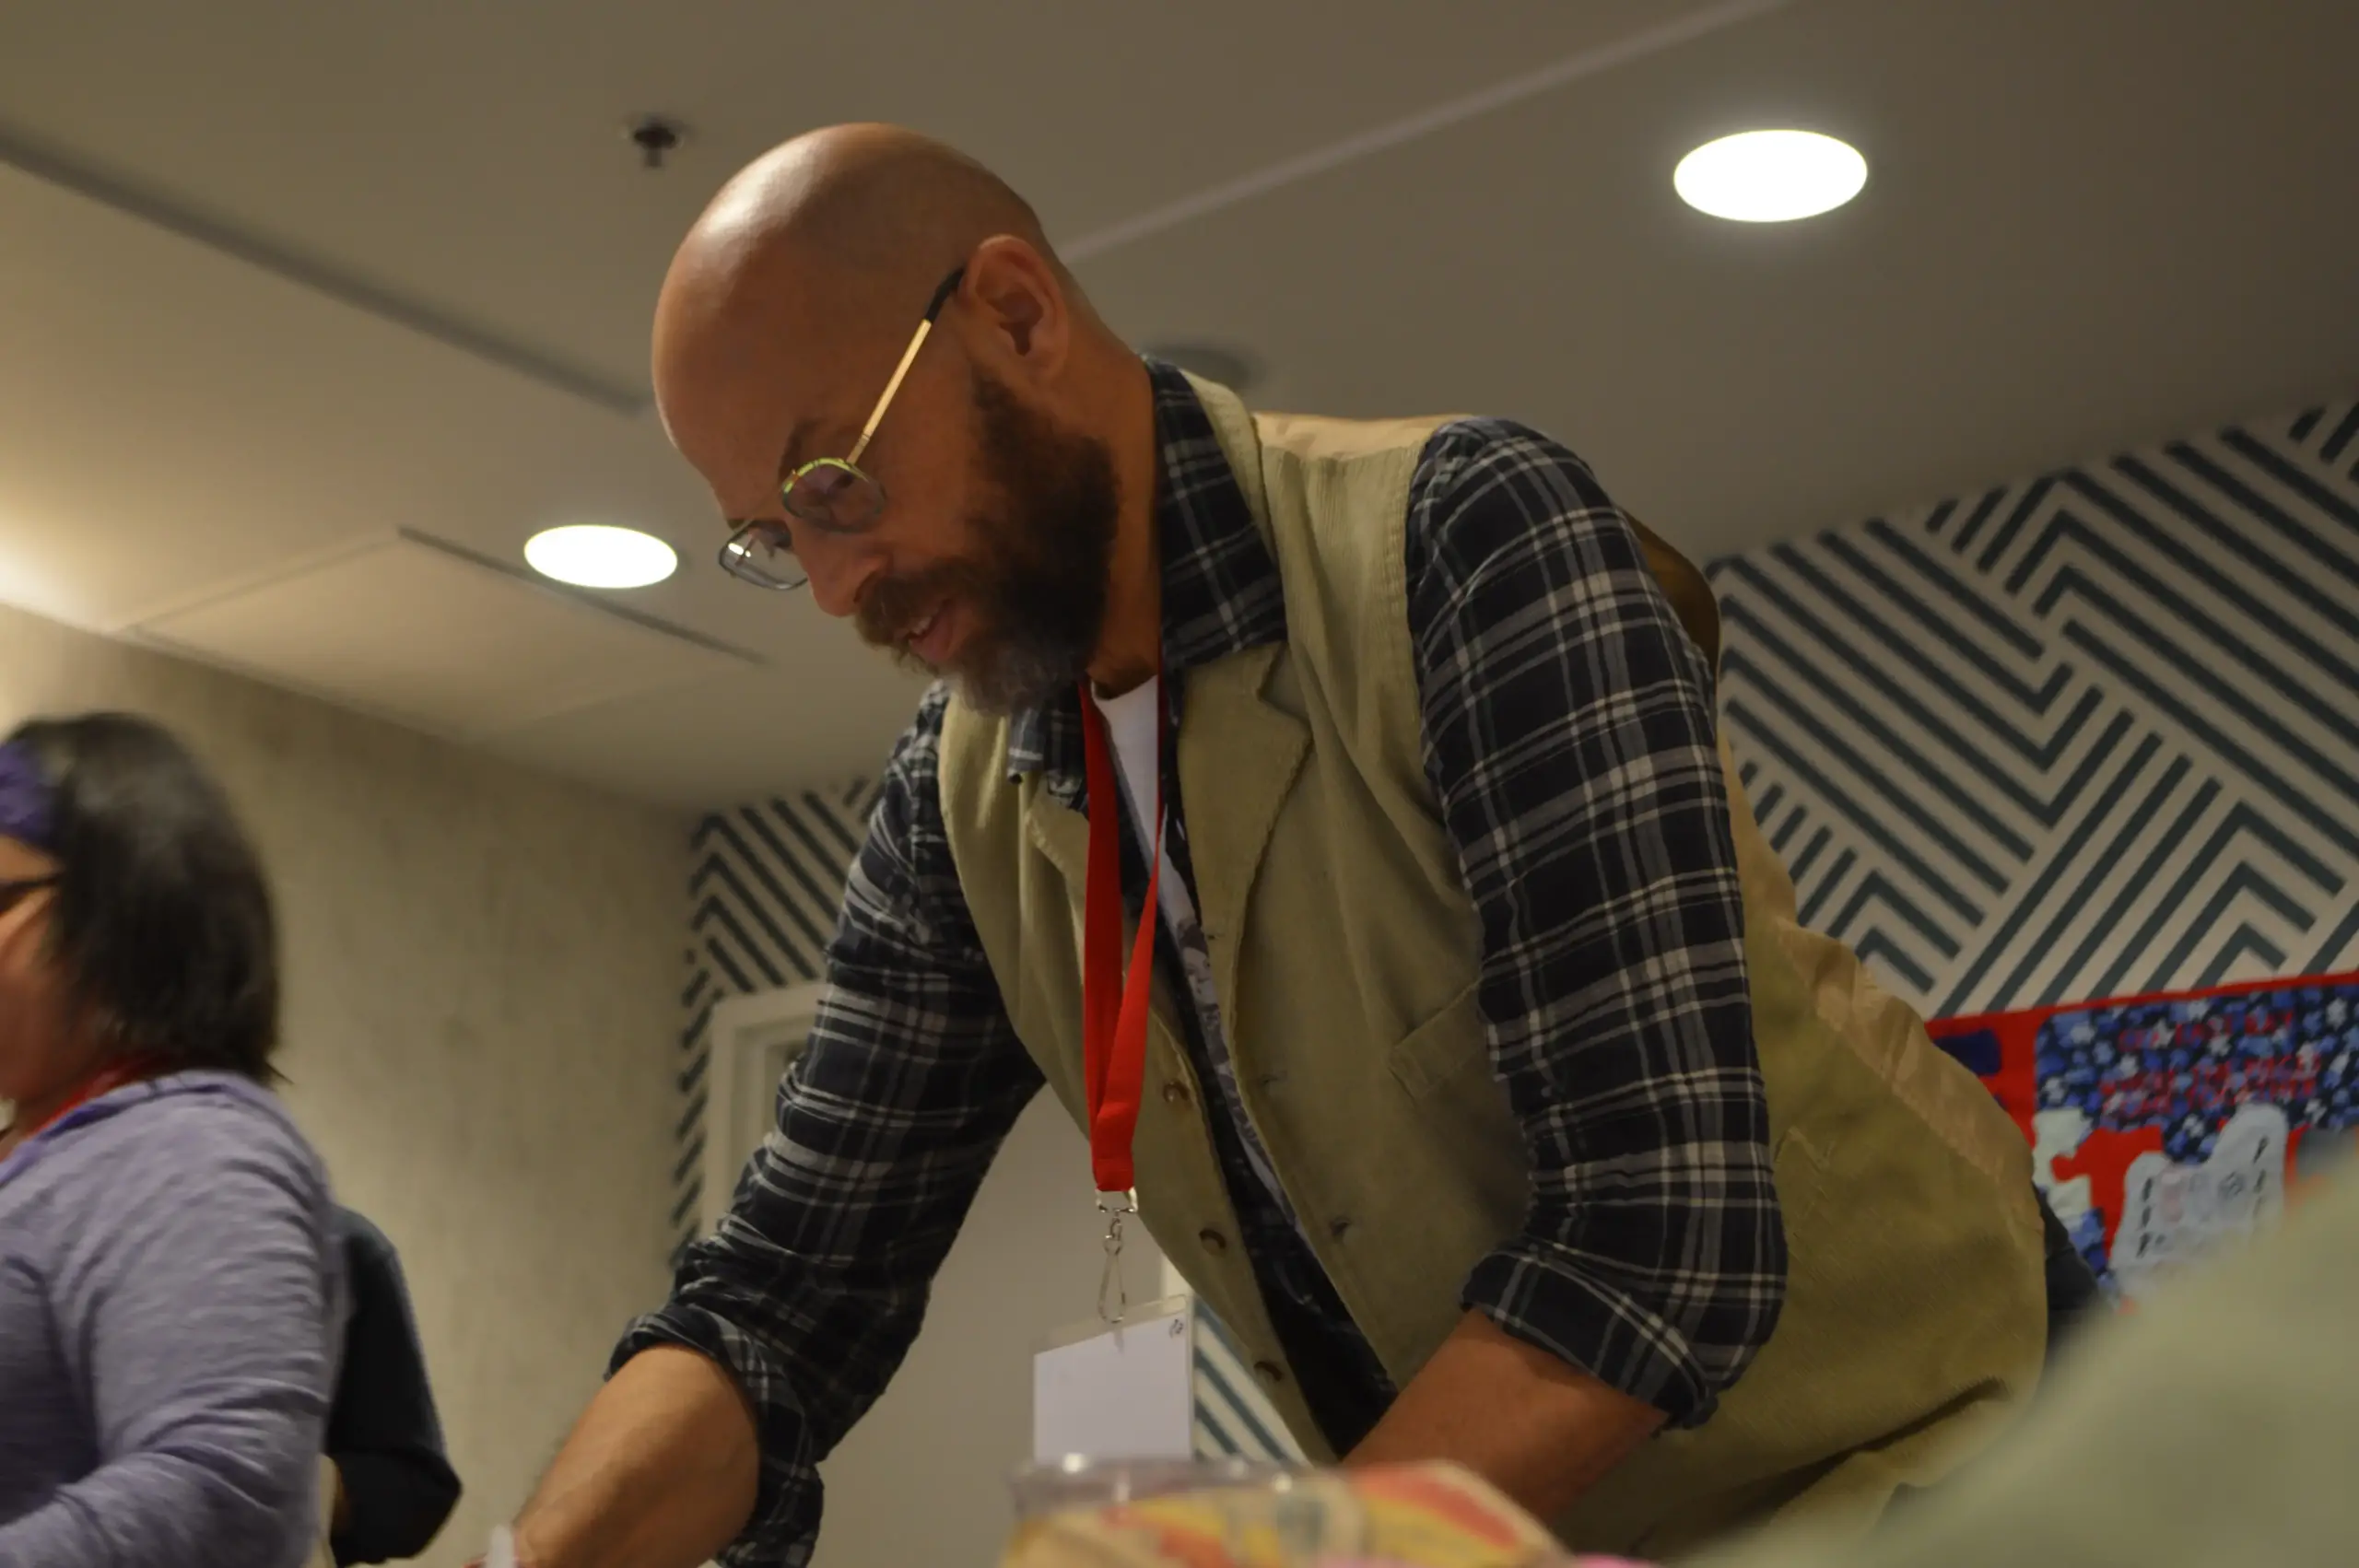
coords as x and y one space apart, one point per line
1113 1295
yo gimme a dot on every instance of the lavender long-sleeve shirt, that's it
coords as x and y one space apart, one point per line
170 1306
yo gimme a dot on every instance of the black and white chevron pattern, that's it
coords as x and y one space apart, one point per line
1233 1418
763 893
2090 735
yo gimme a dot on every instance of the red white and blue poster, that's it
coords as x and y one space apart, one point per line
2165 1127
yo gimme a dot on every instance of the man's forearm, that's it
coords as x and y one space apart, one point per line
660 1472
1539 1430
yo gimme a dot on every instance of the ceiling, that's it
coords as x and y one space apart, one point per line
285 284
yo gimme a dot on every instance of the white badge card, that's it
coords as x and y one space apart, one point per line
1125 1392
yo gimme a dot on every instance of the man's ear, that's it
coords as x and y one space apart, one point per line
1020 323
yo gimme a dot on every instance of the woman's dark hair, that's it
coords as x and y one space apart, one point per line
162 925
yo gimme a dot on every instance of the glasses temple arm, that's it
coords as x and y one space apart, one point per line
909 358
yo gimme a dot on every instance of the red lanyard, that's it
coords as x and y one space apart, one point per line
106 1080
1114 1006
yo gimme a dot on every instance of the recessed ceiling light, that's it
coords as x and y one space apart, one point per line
1770 176
592 554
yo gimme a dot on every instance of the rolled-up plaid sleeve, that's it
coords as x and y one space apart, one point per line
814 1284
1570 738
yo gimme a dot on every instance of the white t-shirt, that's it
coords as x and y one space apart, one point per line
1132 722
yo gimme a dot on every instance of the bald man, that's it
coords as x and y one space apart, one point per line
1489 1091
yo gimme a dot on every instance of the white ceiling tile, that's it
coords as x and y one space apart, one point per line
421 635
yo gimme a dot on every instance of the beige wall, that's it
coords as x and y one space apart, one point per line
956 1423
482 971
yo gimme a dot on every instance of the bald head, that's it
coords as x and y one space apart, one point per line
823 249
804 278
867 197
1018 445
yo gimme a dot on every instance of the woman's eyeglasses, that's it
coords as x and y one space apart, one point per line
14 893
834 495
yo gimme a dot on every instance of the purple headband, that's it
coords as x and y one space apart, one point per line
26 798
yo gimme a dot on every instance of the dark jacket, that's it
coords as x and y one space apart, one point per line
383 1434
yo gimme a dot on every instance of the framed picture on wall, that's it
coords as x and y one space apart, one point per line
2167 1127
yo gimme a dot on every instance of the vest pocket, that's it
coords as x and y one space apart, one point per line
1444 1046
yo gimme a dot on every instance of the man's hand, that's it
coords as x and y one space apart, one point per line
1539 1430
660 1472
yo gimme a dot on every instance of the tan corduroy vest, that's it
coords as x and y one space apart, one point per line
1344 951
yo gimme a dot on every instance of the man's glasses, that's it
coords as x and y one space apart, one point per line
834 495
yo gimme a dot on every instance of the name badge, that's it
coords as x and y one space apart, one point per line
1120 1392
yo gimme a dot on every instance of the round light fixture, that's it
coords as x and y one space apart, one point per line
1770 176
592 554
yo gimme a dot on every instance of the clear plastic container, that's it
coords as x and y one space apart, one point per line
1239 1513
1078 1482
1250 1513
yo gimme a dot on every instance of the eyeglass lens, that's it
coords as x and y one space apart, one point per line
760 553
14 893
836 497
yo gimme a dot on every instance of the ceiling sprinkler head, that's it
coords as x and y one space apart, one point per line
657 137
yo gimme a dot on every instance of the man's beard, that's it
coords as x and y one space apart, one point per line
1035 582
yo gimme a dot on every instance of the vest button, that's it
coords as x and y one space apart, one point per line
1175 1093
1339 1227
1214 1242
1270 1372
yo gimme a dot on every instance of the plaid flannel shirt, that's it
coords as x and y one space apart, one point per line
1571 743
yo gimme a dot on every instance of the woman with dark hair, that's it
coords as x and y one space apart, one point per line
170 1284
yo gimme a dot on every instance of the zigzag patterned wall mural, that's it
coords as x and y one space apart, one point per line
2089 735
763 891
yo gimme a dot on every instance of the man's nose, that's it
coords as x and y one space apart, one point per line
841 569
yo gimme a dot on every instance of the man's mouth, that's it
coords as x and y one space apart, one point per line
928 638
